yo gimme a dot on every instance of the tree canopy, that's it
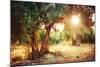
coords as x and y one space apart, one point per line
29 16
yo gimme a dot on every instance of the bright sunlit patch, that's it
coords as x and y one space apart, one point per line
71 52
59 27
52 30
93 27
42 26
75 20
93 17
21 51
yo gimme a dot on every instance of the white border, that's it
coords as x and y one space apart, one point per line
82 2
4 33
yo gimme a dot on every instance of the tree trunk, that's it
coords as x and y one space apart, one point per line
36 53
44 47
34 45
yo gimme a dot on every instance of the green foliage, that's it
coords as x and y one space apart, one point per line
68 34
56 37
41 33
27 16
88 37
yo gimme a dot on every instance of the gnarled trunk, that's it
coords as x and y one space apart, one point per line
34 45
36 53
44 45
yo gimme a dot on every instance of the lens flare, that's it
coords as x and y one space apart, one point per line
75 20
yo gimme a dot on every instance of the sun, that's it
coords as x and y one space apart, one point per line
75 20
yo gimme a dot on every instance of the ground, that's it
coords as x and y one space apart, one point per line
64 52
